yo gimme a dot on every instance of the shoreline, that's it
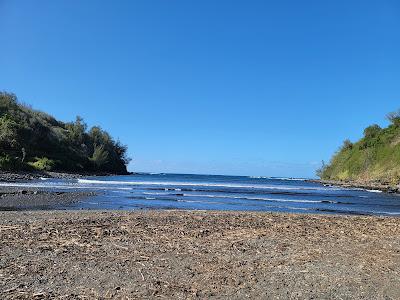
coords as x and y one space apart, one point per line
197 255
29 198
36 198
10 176
372 186
22 176
14 198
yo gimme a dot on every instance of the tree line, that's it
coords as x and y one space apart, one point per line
34 140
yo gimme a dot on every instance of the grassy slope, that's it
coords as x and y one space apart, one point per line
374 158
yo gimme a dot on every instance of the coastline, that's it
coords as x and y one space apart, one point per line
34 198
31 198
366 185
197 254
10 176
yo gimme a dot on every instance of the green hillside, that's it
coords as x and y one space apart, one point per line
374 158
34 140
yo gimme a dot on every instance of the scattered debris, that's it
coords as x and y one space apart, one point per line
197 254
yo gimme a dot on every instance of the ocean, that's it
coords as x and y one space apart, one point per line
215 192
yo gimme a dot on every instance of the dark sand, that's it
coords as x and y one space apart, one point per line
187 255
17 198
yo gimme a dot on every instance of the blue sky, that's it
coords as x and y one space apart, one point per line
223 87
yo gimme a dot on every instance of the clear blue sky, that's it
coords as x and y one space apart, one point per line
227 87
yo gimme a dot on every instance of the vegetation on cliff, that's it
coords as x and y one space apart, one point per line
34 140
374 158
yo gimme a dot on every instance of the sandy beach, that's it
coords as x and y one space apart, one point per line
30 198
197 254
200 150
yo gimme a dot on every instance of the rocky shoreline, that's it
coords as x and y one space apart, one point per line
26 176
6 176
14 198
377 186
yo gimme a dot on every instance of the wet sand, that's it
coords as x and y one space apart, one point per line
27 198
197 254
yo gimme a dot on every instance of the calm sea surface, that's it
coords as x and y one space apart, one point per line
209 192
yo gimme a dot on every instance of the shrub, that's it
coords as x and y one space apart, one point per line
9 163
347 145
8 102
43 164
372 131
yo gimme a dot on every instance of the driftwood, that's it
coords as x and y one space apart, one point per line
174 254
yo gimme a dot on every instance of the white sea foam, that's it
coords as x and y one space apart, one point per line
241 197
374 191
365 190
278 178
282 207
56 186
259 198
387 213
206 184
199 201
158 194
44 178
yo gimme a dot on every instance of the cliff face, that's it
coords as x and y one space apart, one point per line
374 158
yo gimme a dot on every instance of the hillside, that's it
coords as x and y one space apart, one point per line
374 158
34 140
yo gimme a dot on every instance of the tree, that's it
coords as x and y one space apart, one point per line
8 132
121 151
347 144
99 136
99 157
320 171
372 131
8 102
77 130
394 118
27 134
